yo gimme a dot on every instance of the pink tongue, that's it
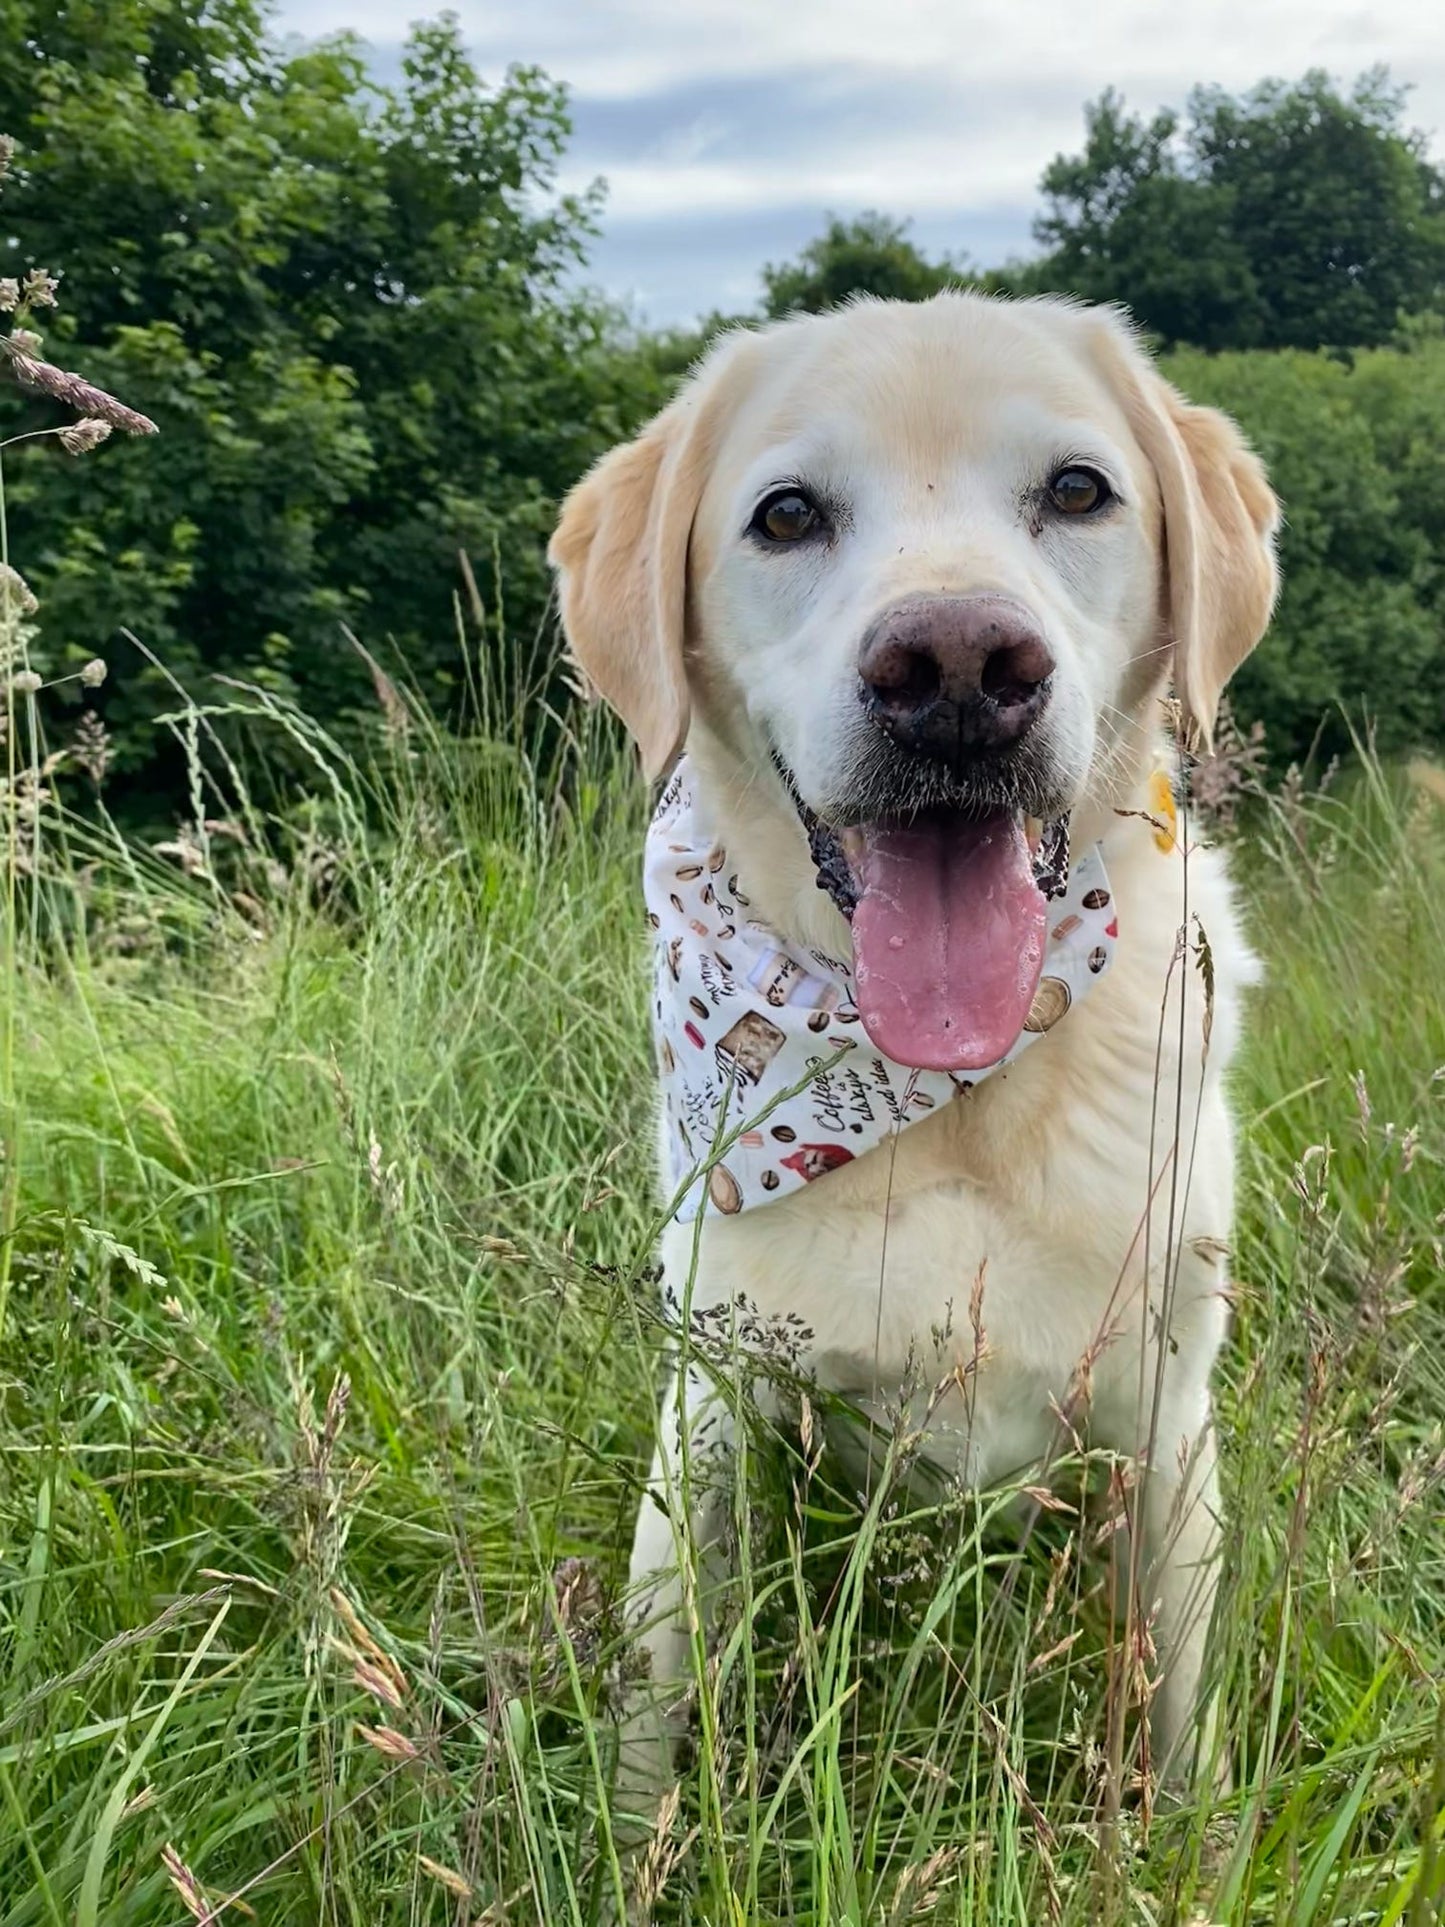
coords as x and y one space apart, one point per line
948 940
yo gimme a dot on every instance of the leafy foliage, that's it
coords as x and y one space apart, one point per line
345 305
870 254
1354 452
1291 217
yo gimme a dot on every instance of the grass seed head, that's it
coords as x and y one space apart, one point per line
91 751
78 438
39 288
387 1741
192 1893
446 1877
75 391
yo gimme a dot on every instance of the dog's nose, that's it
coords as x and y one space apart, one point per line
946 675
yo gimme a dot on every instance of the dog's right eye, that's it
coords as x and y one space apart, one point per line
787 515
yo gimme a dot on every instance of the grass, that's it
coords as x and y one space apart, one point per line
327 1379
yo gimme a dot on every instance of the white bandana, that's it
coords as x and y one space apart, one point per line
761 1052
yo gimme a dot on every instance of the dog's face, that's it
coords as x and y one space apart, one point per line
921 571
926 562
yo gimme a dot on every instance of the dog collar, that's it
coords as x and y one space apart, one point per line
767 1073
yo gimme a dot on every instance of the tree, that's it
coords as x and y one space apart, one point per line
1331 200
349 308
1354 453
1293 216
1123 222
870 254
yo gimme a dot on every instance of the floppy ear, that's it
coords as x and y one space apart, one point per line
1220 521
620 551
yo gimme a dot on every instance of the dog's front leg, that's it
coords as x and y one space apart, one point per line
678 1562
1179 1571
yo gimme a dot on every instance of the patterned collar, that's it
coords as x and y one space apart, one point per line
768 1076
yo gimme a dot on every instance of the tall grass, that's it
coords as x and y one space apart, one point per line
327 1383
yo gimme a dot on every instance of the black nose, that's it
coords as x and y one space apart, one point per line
948 675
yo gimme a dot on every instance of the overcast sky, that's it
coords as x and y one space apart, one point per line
727 129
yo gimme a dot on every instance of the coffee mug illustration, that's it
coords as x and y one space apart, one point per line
746 1050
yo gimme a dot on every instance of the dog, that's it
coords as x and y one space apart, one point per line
896 594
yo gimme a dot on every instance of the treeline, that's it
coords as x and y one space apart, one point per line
354 312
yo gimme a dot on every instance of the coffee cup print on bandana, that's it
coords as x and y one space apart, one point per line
1051 1002
749 1047
783 980
811 1161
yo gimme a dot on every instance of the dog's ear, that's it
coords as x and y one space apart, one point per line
621 555
1220 520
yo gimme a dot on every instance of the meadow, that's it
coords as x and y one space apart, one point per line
329 1350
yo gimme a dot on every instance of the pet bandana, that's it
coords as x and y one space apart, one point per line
765 1064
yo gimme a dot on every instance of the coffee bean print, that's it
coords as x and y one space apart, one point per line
724 1190
654 919
716 860
698 1008
1096 900
818 1020
769 1180
1097 959
689 872
676 901
784 1133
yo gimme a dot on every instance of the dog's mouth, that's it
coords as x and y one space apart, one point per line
949 912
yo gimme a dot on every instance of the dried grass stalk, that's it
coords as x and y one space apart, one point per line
74 390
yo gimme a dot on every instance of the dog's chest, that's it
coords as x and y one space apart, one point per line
1008 1246
1008 1237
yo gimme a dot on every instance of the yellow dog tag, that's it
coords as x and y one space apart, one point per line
1162 809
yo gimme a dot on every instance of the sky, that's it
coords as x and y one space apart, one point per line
727 130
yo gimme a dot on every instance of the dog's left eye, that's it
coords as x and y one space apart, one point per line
1079 491
786 515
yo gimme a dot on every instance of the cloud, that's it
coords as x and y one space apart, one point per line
622 48
832 135
726 129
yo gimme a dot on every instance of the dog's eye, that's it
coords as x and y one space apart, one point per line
787 515
1079 491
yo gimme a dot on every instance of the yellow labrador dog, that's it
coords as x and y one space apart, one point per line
894 594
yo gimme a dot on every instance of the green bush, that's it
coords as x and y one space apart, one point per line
1354 452
348 308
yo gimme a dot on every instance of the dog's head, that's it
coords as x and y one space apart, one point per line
915 575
